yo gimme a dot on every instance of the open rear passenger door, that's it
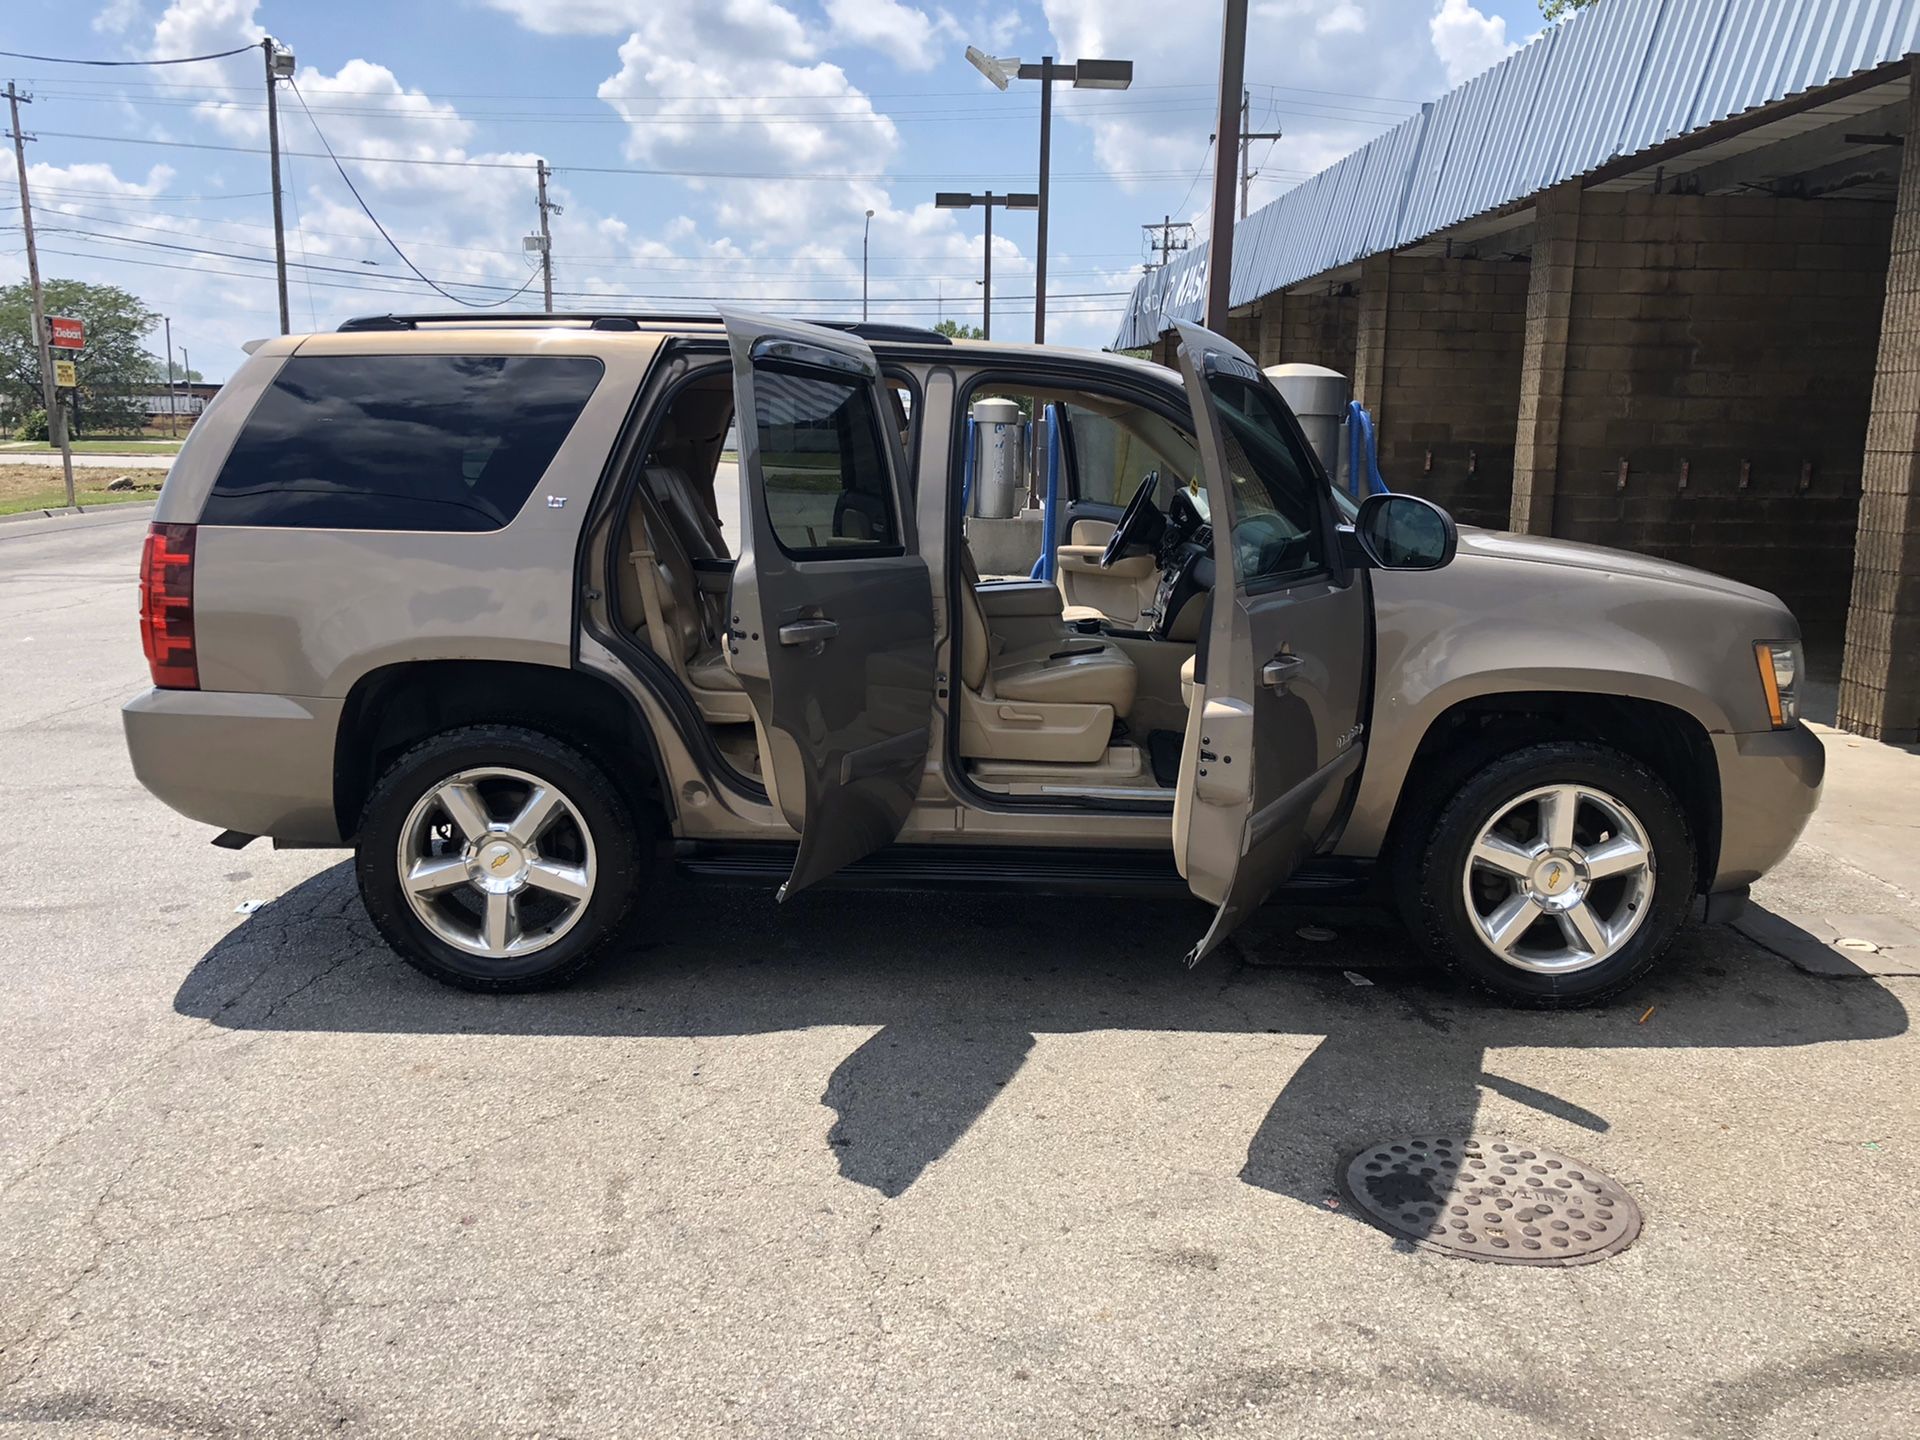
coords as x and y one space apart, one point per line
830 618
1274 729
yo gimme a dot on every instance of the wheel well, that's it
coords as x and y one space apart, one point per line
391 709
1470 735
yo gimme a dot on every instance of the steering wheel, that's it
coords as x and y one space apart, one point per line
1134 527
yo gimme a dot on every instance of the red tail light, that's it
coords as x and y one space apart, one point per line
166 607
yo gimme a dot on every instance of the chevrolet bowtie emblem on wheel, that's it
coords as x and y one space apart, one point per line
1553 877
498 861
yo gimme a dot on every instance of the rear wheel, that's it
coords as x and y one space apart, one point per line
498 858
1555 876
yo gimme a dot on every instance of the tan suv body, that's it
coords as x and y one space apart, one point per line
471 598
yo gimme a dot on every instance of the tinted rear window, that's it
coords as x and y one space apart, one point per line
400 442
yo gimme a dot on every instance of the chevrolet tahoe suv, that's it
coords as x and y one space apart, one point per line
477 599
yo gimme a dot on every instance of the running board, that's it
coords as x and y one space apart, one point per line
1035 870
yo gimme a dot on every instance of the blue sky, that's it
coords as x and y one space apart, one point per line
709 148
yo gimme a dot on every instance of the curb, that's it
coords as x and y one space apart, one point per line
79 516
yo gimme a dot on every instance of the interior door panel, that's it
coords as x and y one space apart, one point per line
830 616
1274 726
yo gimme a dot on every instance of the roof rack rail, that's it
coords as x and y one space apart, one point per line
594 319
882 330
631 320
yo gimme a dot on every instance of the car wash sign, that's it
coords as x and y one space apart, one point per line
66 334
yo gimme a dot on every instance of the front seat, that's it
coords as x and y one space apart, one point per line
1051 702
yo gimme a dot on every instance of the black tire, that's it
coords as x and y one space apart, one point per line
620 835
1437 907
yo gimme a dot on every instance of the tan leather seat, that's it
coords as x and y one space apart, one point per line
684 606
1186 679
1054 701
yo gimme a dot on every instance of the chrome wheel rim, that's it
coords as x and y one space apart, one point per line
496 862
1559 879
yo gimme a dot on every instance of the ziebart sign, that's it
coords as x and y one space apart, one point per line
66 334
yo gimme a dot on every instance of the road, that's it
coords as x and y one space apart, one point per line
872 1165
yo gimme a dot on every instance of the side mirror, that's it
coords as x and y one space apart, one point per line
1405 532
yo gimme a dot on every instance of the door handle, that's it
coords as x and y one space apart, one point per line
808 632
1279 670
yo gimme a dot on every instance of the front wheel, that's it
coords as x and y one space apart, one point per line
497 858
1556 876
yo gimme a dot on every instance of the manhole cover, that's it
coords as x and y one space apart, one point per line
1492 1200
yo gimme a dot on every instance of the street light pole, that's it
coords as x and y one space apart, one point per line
986 272
866 234
1085 75
1047 72
962 200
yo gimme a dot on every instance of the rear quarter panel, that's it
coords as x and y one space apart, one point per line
308 612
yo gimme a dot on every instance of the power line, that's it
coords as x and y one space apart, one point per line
375 219
874 177
96 237
114 64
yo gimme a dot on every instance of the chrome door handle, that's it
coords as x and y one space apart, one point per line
808 632
1279 670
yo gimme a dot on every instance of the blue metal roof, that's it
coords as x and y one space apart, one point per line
1613 81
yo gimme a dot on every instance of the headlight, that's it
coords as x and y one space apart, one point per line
1779 662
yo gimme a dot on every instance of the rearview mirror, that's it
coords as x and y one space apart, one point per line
1405 532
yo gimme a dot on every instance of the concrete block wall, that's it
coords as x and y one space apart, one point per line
1440 343
1880 685
1724 349
1312 330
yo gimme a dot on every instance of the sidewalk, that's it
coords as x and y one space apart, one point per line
159 460
1860 855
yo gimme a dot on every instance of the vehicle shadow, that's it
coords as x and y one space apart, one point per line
960 986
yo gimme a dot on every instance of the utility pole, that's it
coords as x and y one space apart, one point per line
1247 137
186 376
1165 243
279 62
546 235
172 410
56 418
1233 68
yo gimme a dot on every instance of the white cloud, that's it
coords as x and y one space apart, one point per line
1372 47
1343 18
195 27
1467 41
906 35
758 26
117 17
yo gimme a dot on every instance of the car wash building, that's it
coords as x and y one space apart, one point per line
1652 282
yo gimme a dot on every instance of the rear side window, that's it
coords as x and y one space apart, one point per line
400 442
823 459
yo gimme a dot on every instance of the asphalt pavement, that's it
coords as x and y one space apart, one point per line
870 1164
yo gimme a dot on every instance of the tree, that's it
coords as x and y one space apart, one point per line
1557 10
954 330
113 367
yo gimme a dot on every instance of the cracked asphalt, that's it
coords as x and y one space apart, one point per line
872 1164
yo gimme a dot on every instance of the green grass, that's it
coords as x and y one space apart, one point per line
95 447
41 487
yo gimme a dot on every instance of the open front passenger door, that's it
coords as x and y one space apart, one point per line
830 616
1275 728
